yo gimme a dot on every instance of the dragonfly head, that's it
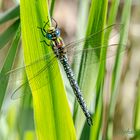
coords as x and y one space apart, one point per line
52 33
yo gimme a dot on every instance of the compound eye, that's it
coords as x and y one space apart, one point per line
57 32
49 36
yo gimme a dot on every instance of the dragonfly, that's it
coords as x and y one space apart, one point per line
62 53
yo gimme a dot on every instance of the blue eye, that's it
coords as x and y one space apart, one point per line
57 32
49 36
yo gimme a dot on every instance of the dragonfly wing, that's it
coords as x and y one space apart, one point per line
17 82
92 39
43 58
20 91
93 54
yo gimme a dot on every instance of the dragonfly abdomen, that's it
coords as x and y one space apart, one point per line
76 88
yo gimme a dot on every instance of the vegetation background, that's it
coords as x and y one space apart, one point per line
111 88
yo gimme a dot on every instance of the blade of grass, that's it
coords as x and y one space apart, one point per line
113 12
52 7
96 22
25 120
118 67
8 65
10 14
137 110
51 111
8 34
82 18
85 132
111 20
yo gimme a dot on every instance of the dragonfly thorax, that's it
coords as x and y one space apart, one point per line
58 47
57 43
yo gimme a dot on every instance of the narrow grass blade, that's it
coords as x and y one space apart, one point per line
85 132
118 67
51 112
52 7
25 119
137 112
82 18
113 12
111 20
8 34
8 65
8 15
112 15
96 22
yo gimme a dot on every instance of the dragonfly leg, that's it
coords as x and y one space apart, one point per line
42 31
44 41
46 23
55 22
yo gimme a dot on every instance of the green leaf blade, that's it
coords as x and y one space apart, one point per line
96 23
8 65
10 14
8 34
51 111
116 75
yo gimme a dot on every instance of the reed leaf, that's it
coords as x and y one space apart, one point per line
118 66
51 110
7 66
96 22
10 14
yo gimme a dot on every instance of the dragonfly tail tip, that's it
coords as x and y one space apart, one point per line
89 121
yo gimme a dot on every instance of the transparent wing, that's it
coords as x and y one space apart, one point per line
17 82
93 38
21 89
48 57
93 56
75 49
42 72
